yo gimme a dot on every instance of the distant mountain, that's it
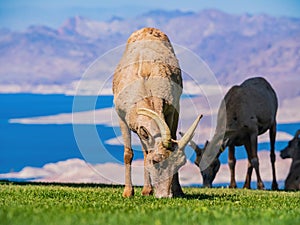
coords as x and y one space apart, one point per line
234 46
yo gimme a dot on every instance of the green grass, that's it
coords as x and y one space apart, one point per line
96 204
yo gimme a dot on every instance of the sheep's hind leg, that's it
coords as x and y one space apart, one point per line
255 161
272 133
231 163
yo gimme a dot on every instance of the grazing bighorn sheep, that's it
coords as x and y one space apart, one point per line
214 166
249 110
147 85
292 181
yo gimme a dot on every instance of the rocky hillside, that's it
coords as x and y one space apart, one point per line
234 46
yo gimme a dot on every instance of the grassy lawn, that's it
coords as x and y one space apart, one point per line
96 204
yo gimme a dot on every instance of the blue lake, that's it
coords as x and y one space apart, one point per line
36 145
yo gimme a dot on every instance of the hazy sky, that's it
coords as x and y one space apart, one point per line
19 14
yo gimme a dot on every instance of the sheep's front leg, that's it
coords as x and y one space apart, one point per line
147 189
247 183
128 155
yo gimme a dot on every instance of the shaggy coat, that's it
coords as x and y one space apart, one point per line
147 85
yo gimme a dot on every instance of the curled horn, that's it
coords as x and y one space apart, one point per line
193 145
189 134
163 127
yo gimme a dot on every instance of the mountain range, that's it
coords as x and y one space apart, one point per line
234 47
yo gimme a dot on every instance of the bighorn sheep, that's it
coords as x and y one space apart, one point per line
214 166
147 85
292 181
249 110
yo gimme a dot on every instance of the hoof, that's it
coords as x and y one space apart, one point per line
232 185
246 186
147 191
128 192
275 186
260 186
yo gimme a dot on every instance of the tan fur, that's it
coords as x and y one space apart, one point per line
148 76
148 33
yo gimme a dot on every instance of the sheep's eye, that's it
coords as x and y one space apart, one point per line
144 133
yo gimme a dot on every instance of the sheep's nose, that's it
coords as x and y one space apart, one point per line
283 154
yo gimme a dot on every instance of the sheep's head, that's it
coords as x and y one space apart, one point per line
292 148
209 173
208 158
164 155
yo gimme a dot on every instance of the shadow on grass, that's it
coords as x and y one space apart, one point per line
199 196
79 185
